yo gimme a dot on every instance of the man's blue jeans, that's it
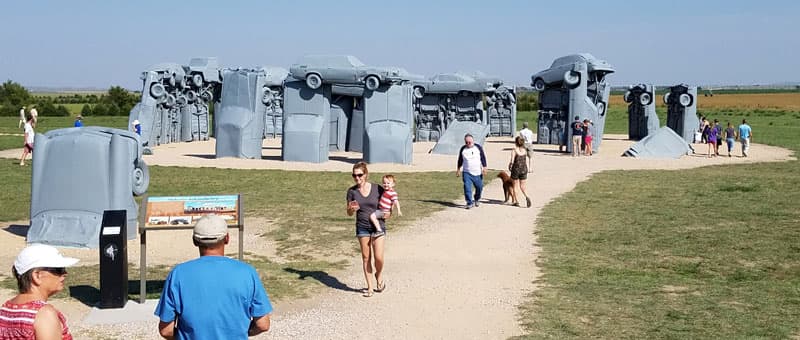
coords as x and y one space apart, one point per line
469 181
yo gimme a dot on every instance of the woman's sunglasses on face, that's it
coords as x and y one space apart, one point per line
56 271
358 175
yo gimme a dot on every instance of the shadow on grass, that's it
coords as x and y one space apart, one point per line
90 295
18 229
322 277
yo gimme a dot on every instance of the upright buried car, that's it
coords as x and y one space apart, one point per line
342 69
563 70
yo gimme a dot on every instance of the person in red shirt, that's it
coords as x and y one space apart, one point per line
40 271
388 201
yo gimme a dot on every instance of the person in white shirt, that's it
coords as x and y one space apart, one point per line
527 135
21 117
28 147
472 163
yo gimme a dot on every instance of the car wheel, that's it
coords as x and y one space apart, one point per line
170 101
601 108
419 92
666 98
626 97
197 80
538 84
645 98
268 97
141 178
572 78
191 96
685 99
313 81
157 90
371 82
207 95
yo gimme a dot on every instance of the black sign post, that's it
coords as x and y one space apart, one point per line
113 259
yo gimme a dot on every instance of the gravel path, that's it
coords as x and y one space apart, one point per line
458 274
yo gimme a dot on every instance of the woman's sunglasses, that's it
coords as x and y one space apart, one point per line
56 271
358 175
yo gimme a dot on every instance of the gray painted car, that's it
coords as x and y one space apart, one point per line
563 70
342 69
457 83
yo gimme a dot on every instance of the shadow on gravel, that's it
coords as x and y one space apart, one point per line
446 204
322 277
17 229
90 295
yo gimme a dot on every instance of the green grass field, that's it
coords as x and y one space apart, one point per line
312 235
709 253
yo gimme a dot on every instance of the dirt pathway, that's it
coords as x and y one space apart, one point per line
458 274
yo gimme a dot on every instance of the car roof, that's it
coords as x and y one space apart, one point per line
330 60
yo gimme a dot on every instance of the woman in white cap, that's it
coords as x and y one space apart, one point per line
40 271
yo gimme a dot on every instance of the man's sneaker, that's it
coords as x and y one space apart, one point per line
477 204
469 206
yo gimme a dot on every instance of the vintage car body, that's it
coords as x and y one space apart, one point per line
457 83
564 70
342 69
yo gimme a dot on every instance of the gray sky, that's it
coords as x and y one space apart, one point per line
104 43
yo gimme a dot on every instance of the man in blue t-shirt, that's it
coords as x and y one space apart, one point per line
213 296
745 133
577 136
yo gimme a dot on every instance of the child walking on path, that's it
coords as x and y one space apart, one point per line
385 205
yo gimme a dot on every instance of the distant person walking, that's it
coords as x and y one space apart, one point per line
78 121
137 128
730 137
711 140
22 116
34 114
27 148
745 134
472 163
719 136
212 296
519 169
587 136
577 136
527 136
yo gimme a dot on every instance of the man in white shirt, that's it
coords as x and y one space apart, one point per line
472 163
527 135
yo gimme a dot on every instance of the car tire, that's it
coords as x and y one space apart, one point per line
371 82
197 80
645 98
207 95
626 97
191 96
666 98
268 97
313 81
539 84
170 101
601 108
419 92
157 90
686 99
140 178
572 78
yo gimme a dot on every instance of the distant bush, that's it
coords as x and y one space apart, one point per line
527 101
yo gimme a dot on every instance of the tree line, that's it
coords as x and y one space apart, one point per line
117 101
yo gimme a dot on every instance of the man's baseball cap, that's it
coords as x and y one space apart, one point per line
210 229
41 256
